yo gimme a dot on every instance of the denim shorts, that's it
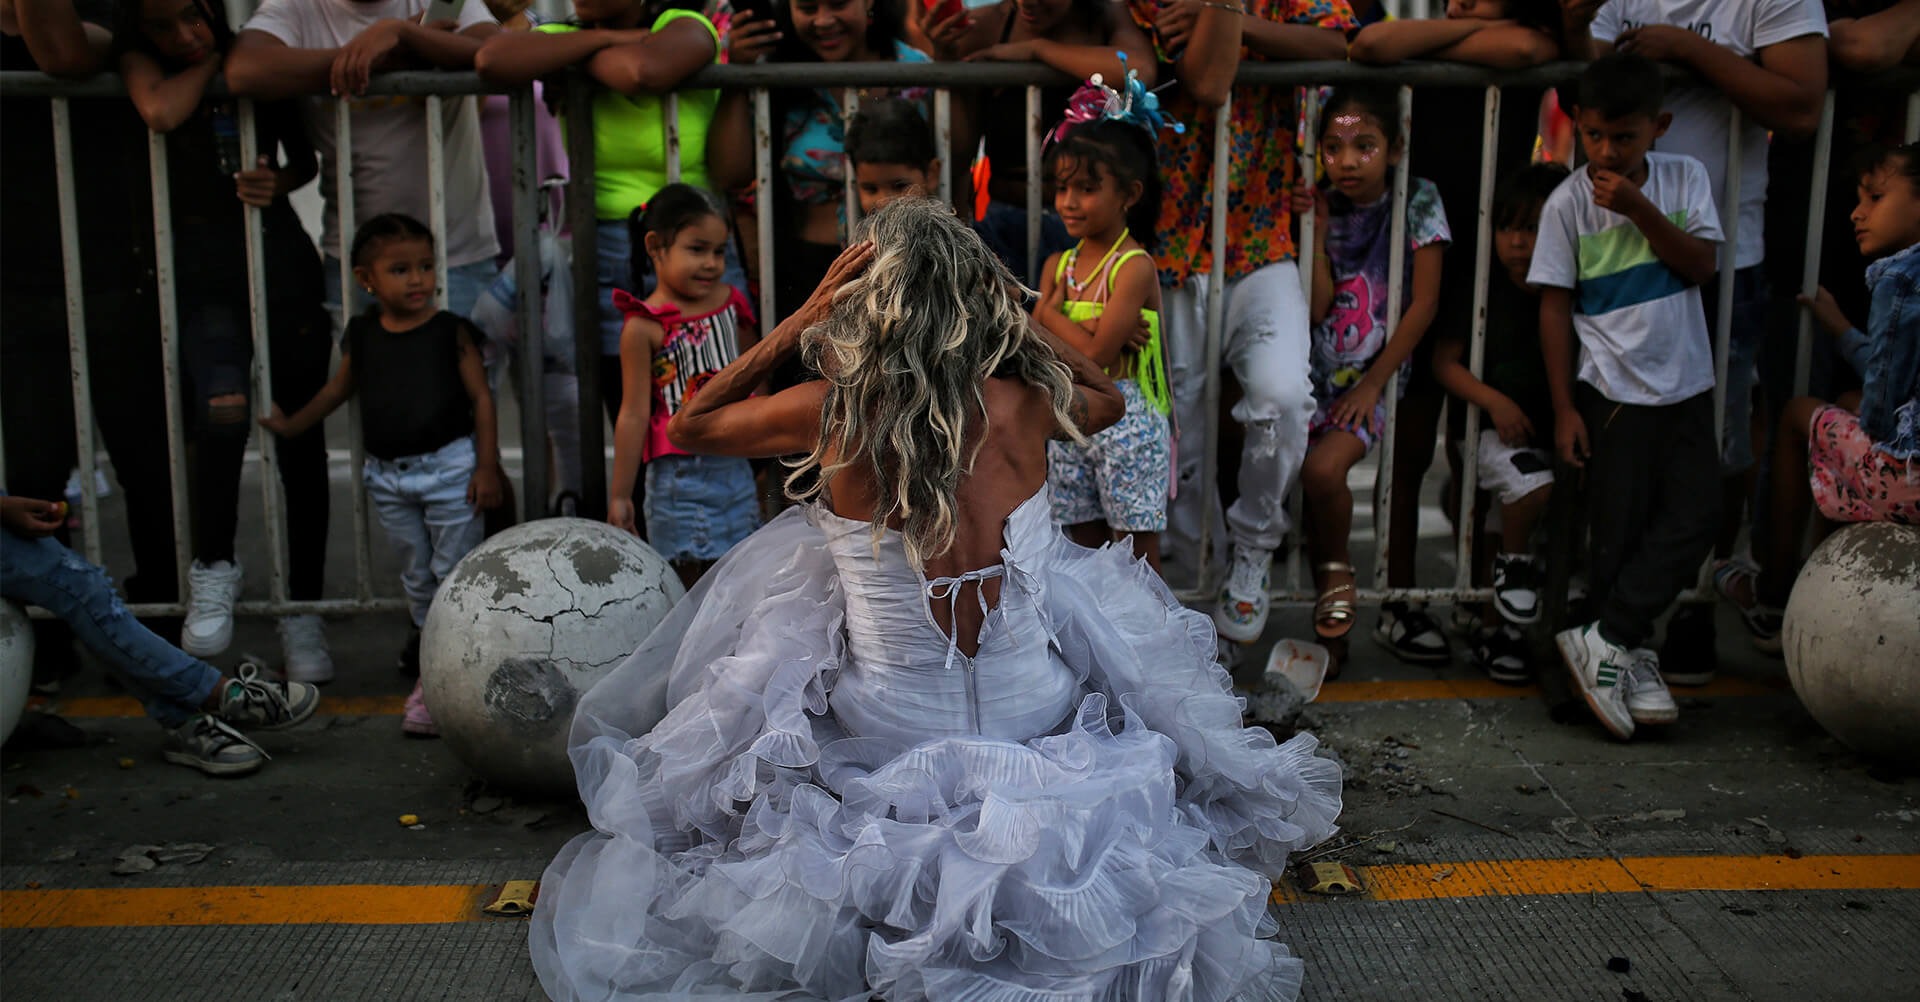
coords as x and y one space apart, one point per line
697 507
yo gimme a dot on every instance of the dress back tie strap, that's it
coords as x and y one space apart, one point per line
948 590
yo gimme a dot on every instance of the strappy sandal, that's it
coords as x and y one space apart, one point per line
1333 610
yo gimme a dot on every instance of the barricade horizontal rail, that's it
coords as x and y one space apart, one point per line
760 79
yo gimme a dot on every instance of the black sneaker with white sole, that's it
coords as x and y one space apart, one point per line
1501 652
1406 630
1516 587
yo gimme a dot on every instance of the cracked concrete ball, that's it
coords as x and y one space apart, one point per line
16 665
522 628
1852 639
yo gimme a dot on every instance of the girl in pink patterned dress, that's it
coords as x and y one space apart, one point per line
692 326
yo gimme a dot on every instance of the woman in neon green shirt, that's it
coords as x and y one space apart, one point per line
639 50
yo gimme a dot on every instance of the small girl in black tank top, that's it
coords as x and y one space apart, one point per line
433 459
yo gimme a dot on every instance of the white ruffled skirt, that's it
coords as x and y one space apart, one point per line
747 847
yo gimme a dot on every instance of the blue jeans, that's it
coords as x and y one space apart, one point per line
171 683
465 285
697 507
613 268
422 503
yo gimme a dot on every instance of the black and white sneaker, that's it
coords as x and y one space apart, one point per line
1516 587
1501 652
212 746
1411 634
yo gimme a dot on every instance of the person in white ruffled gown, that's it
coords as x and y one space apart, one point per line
919 744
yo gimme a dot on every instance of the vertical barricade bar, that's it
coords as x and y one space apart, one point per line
437 191
1912 131
942 141
526 276
1723 318
1477 347
849 105
1816 226
582 220
1036 186
166 285
763 198
258 323
1307 144
1216 321
346 223
1396 287
670 119
76 323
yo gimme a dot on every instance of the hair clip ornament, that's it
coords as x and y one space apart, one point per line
1136 105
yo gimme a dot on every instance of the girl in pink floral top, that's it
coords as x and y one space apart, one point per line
692 326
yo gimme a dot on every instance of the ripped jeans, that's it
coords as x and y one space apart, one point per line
1264 341
171 683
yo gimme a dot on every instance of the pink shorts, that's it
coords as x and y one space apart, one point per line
1855 482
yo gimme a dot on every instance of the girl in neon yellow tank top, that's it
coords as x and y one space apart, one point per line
1103 298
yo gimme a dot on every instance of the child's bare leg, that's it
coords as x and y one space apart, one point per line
1146 546
1091 535
690 570
1329 503
1518 519
1792 500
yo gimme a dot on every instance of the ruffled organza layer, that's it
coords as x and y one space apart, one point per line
747 847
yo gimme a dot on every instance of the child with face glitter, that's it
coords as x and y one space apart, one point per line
1352 358
1095 296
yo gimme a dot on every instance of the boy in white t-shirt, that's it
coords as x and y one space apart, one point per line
310 47
1768 58
1623 246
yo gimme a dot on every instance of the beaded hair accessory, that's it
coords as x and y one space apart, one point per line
1136 105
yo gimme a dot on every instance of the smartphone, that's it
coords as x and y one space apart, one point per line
442 10
940 10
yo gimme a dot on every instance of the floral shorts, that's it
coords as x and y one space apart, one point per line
1121 476
1855 482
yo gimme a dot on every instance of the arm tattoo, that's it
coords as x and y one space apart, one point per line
1076 412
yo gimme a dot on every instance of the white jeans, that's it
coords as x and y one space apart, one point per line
1264 341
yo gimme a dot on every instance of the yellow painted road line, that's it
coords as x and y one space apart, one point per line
388 904
1509 877
335 904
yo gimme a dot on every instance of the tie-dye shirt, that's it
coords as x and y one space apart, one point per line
1261 160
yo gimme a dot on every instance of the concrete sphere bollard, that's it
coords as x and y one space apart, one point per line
1852 638
522 628
16 665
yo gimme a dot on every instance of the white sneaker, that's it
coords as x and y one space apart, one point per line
303 650
1599 670
209 626
1647 697
1241 613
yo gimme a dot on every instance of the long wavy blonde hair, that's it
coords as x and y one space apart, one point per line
906 352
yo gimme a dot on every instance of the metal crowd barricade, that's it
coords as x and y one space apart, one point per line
437 87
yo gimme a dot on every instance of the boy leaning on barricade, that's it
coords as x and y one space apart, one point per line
1768 59
1623 247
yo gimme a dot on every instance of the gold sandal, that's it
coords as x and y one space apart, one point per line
1333 610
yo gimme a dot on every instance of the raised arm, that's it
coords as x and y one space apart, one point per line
725 419
165 102
1783 91
1211 54
60 42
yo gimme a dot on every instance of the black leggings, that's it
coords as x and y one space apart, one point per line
301 351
